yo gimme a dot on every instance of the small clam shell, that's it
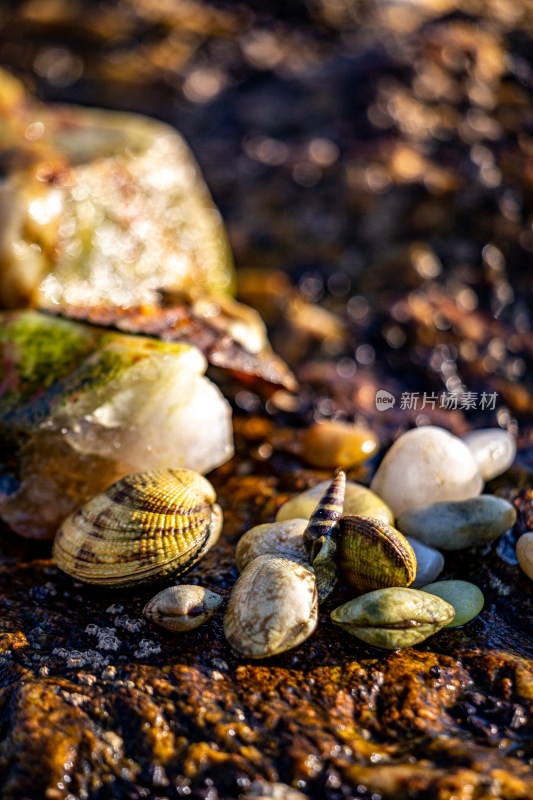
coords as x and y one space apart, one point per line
273 607
374 555
145 527
393 617
182 608
283 539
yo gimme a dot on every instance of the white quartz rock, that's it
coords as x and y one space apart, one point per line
429 562
494 450
426 465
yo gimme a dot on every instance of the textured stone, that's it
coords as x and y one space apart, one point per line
81 407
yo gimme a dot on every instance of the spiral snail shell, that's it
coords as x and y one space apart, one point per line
145 527
320 536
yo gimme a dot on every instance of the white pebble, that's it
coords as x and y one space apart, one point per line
429 562
426 465
493 449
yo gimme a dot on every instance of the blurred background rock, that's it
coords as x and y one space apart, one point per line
376 157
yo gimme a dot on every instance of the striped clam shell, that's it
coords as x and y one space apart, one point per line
143 528
319 536
374 555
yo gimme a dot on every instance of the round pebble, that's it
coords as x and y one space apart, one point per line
429 562
524 553
461 524
358 500
333 444
465 597
493 449
426 465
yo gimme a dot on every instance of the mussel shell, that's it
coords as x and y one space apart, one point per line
374 555
145 527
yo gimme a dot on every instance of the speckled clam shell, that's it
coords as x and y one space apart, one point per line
374 555
272 608
145 527
182 608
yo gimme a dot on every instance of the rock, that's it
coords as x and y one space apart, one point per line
104 208
456 525
465 597
494 450
358 500
524 553
283 539
331 444
426 465
81 407
429 562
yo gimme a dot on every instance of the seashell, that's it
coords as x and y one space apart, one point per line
357 500
465 597
393 617
182 608
374 555
319 536
282 539
273 607
331 444
145 527
327 513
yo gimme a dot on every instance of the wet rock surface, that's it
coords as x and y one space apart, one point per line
98 703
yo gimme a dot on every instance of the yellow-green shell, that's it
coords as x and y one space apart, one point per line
374 555
145 527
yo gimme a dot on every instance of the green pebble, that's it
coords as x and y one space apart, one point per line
465 597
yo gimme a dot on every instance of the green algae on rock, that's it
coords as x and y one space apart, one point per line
81 407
